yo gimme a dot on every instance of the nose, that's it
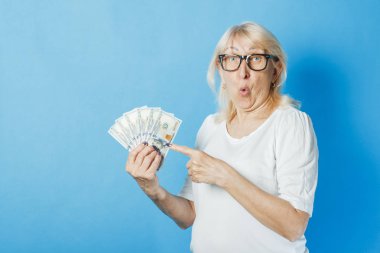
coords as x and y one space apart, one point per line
244 70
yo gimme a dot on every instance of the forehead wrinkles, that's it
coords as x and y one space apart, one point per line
243 40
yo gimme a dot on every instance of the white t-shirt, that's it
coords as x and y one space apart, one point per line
280 157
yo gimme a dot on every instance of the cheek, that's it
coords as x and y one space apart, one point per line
232 79
222 75
225 77
264 79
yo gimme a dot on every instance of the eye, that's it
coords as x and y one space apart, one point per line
231 58
256 58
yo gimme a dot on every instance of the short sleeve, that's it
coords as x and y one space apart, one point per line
297 160
187 189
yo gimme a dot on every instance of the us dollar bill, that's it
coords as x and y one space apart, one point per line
164 132
132 120
150 125
120 138
122 123
144 113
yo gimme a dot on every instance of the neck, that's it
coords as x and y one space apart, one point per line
260 112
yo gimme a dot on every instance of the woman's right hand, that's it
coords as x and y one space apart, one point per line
142 164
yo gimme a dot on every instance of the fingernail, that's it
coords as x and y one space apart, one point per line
158 151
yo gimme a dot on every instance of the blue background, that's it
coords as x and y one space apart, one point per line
68 69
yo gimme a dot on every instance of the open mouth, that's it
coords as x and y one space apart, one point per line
244 91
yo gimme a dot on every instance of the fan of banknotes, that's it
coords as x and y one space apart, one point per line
149 125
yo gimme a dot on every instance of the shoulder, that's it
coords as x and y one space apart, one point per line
294 125
211 121
207 130
287 110
290 115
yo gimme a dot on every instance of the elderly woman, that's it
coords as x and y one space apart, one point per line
252 177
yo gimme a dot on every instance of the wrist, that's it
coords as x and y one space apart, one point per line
228 176
158 194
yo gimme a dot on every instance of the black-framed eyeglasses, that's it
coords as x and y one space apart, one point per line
256 62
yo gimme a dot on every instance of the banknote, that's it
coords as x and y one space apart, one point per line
122 124
164 132
150 125
131 119
117 135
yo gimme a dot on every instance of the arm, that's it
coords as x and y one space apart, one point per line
143 163
179 209
272 211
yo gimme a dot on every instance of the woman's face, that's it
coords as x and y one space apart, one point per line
247 89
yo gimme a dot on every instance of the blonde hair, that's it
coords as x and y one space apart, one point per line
263 39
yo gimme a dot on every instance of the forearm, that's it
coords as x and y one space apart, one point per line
272 211
177 208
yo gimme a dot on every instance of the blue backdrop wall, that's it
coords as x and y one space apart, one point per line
68 69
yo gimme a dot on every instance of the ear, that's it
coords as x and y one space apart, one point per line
276 73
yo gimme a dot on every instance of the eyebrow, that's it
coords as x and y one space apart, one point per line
233 48
236 49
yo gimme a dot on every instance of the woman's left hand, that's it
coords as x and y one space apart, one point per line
203 168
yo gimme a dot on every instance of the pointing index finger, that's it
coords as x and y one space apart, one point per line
182 149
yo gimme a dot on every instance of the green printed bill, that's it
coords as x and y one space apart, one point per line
149 125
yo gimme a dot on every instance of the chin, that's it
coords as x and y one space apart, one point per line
243 106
